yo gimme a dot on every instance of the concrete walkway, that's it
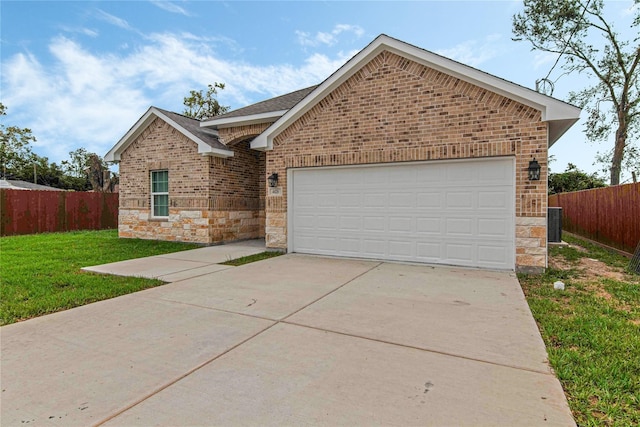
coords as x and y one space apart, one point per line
288 341
182 265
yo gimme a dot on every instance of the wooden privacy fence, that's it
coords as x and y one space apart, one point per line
31 211
609 215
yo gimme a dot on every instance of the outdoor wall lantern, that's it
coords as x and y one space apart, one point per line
273 180
534 170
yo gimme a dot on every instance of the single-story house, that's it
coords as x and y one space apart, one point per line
401 154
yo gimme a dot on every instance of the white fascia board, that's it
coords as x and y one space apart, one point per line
215 152
203 148
114 154
222 122
550 108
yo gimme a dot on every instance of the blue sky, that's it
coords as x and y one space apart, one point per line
80 73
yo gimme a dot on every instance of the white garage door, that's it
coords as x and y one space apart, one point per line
458 213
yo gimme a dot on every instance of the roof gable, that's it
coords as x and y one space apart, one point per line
206 139
261 112
559 115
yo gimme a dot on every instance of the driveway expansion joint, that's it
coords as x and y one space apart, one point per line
378 264
181 377
429 350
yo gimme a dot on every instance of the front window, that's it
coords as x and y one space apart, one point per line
160 193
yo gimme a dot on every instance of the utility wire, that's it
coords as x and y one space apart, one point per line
584 10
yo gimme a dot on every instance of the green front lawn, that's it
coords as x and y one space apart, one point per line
592 331
41 274
252 258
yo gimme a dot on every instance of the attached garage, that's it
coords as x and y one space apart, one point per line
444 212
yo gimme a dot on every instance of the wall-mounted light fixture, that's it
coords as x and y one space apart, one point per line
534 170
273 180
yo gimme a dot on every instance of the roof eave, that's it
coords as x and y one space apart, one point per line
559 114
113 155
203 148
221 123
215 152
557 128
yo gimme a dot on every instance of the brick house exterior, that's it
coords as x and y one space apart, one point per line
213 198
392 103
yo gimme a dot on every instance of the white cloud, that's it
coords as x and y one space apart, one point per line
328 38
475 52
633 8
544 59
112 19
169 7
86 31
88 99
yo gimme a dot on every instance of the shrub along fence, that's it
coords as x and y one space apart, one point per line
609 215
31 211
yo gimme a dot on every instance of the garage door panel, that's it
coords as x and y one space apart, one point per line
492 199
401 200
457 200
460 253
494 176
306 222
350 246
305 201
429 200
460 226
327 222
374 200
350 200
429 225
429 176
428 252
494 227
373 248
401 249
458 213
350 223
461 176
401 224
491 254
327 243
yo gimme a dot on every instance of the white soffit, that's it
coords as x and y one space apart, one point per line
203 148
560 115
223 122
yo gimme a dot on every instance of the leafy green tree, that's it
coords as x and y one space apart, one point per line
201 105
573 179
612 103
88 171
15 149
77 164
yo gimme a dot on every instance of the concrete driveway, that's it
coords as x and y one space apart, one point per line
293 340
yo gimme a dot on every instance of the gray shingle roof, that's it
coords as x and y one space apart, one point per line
282 102
14 184
207 136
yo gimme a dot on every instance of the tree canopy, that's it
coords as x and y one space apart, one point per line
570 28
83 171
15 148
201 105
573 179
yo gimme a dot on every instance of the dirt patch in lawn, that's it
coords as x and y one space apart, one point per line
588 268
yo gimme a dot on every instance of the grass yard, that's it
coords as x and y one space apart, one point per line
253 258
41 274
592 331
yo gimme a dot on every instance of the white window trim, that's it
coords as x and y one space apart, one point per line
157 193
